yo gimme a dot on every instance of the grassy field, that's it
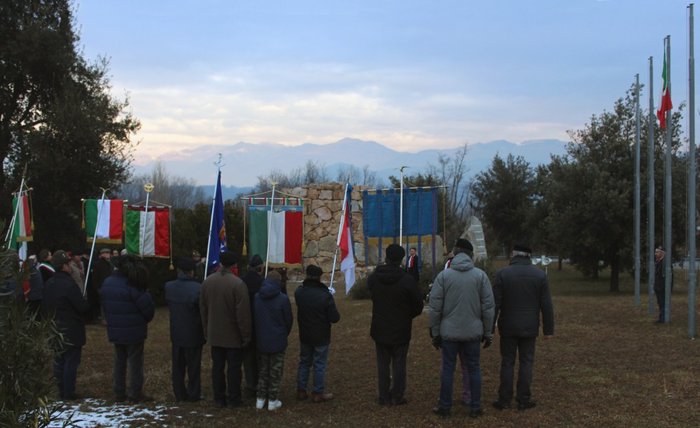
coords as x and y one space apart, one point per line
608 365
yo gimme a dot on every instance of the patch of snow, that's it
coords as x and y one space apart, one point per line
92 412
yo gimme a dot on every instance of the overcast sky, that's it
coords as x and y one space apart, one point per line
409 74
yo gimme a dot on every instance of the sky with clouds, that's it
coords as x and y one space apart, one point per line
409 74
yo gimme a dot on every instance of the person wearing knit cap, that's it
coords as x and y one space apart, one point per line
461 314
228 328
396 300
316 311
521 293
186 332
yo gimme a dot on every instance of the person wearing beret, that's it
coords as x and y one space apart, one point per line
228 328
186 332
461 317
316 311
522 293
396 300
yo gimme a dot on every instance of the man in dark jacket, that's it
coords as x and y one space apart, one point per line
316 312
273 322
128 308
253 280
64 302
521 293
186 333
660 282
396 300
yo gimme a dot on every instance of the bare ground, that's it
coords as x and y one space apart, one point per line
608 365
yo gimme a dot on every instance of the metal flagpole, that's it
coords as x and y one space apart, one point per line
667 191
401 208
94 238
650 192
692 227
637 205
211 219
269 226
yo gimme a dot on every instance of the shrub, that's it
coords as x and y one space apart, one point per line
26 378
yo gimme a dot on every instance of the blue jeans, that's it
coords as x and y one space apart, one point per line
312 355
471 350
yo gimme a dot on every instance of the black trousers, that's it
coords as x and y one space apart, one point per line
250 368
661 301
391 362
525 349
230 360
187 361
130 356
65 370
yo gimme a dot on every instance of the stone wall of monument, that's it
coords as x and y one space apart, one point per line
322 213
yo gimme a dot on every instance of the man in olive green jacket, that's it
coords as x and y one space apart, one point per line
227 323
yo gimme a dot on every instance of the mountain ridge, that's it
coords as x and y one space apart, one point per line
245 162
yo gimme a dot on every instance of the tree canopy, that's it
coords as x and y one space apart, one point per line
57 118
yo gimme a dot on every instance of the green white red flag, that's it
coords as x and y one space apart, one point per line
666 104
286 235
148 231
104 220
22 230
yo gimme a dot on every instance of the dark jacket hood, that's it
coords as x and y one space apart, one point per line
270 288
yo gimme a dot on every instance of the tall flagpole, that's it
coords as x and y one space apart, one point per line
211 219
401 208
692 227
269 226
637 192
651 202
667 191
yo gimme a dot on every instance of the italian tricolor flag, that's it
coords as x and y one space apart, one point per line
104 220
666 103
22 230
286 230
148 231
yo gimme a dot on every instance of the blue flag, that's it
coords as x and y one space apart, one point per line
217 238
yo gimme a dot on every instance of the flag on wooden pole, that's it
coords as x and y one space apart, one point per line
217 231
104 220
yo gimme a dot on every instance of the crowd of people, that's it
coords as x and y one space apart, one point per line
246 321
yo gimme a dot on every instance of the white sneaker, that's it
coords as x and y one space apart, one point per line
260 403
274 405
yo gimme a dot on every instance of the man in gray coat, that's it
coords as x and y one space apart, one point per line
522 293
461 317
